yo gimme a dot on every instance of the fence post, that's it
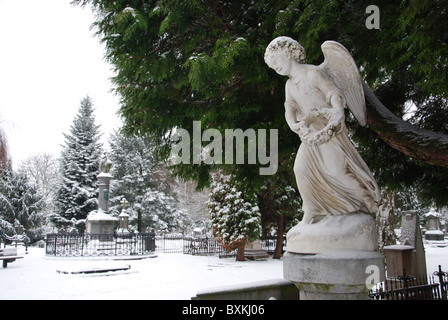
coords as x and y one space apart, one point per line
82 245
441 274
55 246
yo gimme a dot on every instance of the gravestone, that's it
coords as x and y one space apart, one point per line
433 231
399 260
254 251
411 235
123 220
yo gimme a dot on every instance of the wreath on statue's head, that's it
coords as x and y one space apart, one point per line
323 135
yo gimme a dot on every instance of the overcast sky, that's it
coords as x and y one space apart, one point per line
49 61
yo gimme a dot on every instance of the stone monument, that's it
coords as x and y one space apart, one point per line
433 232
411 235
254 251
123 220
332 250
100 222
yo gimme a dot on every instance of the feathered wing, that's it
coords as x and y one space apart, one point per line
342 69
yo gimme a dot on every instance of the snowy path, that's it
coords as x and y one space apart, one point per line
169 276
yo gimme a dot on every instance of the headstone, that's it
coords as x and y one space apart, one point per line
123 220
399 260
254 251
433 231
411 235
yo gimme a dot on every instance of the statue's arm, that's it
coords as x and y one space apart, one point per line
291 111
334 97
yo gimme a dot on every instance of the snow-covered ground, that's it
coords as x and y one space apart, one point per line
169 276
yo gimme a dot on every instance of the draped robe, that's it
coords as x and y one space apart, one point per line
332 177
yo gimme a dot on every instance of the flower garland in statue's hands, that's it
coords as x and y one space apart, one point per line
321 136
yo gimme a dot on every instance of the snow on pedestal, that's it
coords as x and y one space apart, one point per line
353 232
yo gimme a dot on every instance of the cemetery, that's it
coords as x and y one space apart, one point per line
399 272
349 203
333 253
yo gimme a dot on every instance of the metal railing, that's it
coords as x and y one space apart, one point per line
432 287
67 245
137 244
203 246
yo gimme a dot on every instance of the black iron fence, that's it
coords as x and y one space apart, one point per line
205 247
138 244
432 287
99 244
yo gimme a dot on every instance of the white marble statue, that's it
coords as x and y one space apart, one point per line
332 178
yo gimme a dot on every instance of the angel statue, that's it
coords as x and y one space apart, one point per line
331 176
105 163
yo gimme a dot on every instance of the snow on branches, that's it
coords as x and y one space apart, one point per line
235 219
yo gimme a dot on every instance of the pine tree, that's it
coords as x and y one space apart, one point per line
235 219
21 206
144 184
77 194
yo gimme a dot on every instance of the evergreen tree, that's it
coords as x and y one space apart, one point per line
180 61
21 206
144 184
235 218
77 194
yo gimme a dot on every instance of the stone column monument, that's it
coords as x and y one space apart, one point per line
100 222
332 252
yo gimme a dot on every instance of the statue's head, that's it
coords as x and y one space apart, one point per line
285 45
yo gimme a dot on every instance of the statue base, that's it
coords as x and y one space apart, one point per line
101 225
349 232
334 275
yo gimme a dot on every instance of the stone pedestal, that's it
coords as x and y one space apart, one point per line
101 224
334 275
334 258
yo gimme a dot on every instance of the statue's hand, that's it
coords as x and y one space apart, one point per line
336 120
295 127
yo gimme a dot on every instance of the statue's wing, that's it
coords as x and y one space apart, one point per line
342 69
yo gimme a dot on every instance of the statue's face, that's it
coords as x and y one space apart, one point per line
279 61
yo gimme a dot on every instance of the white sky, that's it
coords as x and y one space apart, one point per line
49 61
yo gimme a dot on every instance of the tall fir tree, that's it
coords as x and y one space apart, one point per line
144 183
77 194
